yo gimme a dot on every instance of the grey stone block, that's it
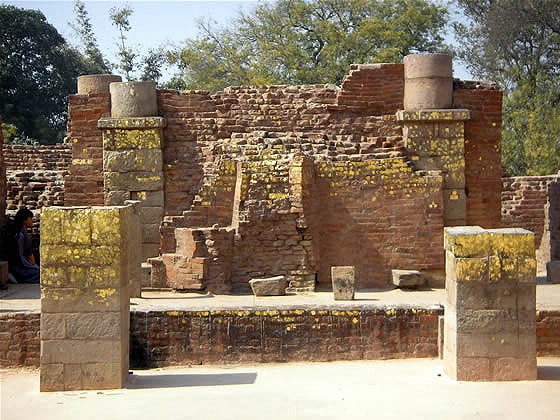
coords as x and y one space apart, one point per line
272 286
407 279
343 282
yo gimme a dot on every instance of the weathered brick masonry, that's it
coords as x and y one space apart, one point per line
175 338
523 205
307 177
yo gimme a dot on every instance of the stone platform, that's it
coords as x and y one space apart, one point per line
189 329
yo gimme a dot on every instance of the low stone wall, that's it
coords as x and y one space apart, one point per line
180 338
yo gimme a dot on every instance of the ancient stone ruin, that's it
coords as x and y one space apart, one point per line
285 189
257 182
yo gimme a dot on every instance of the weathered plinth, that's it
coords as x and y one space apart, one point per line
436 142
133 170
85 309
490 316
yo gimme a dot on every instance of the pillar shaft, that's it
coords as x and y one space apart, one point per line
133 170
490 316
85 313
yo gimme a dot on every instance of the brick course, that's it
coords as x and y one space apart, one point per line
178 338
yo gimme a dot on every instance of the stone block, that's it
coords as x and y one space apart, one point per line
150 233
93 325
512 242
152 215
76 226
146 275
441 329
131 139
466 241
143 160
52 377
132 181
78 351
471 269
343 282
76 300
454 205
116 198
407 279
149 198
53 326
272 286
553 272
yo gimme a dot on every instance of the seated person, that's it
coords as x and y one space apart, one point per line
22 263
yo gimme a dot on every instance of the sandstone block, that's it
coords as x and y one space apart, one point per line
146 273
131 139
343 282
132 181
466 241
272 286
149 198
52 377
407 279
133 99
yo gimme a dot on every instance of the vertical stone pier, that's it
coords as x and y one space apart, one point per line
132 157
85 312
2 182
433 133
553 226
490 316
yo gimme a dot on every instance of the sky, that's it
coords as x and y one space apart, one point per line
153 22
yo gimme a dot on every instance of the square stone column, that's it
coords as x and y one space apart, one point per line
85 312
490 316
436 141
553 227
133 170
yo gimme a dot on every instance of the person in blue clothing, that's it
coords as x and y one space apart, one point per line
22 263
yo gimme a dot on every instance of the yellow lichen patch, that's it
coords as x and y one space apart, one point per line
495 268
467 242
76 226
118 139
106 226
51 226
472 269
527 269
512 242
53 276
109 276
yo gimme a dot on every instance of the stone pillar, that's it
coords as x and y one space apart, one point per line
135 248
490 319
436 141
428 82
85 312
553 226
133 170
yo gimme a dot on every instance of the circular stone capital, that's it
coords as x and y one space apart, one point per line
96 83
428 82
133 99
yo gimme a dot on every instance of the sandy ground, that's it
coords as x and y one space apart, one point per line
397 389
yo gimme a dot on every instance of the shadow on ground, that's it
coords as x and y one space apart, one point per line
139 381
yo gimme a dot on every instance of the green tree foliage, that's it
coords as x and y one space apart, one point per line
120 17
307 41
153 63
516 43
38 71
95 61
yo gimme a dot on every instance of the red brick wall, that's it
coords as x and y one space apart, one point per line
19 339
237 336
523 205
33 158
84 184
289 335
483 167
